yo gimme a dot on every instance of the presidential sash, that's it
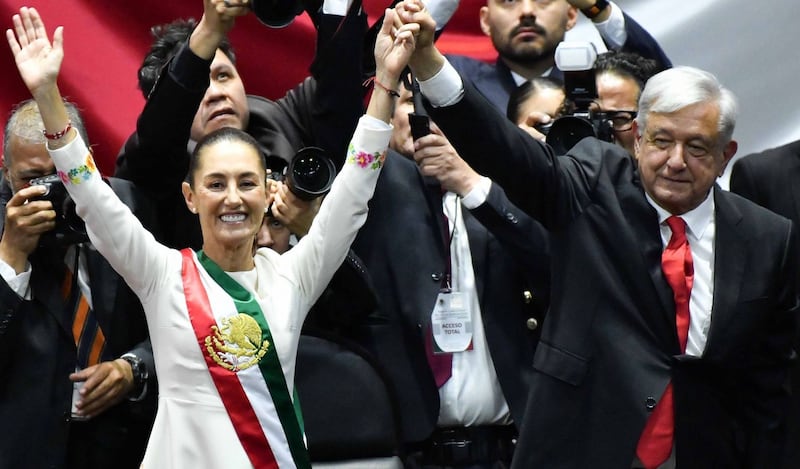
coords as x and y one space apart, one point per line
237 345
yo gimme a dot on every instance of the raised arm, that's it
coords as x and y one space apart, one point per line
344 210
113 229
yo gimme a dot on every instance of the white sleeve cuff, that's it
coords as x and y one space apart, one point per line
445 88
335 7
477 196
17 282
613 30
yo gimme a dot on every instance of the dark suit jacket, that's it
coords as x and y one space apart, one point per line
772 179
496 84
402 246
322 111
609 345
37 354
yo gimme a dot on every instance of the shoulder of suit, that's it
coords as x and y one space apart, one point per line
752 213
772 158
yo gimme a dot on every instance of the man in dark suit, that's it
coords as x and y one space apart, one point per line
193 88
771 179
526 33
435 232
639 364
58 415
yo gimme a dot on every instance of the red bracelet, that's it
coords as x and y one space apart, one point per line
380 85
58 135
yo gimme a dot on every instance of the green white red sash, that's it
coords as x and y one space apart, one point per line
244 365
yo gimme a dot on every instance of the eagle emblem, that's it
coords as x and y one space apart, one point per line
237 345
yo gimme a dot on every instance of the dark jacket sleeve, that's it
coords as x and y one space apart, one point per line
11 307
523 237
163 129
641 42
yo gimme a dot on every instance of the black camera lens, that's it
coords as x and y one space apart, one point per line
310 173
276 13
567 131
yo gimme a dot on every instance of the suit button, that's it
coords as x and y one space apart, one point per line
436 277
650 403
527 297
532 323
511 217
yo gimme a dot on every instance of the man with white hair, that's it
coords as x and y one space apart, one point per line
668 341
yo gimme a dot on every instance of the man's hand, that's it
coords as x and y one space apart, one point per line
104 385
532 120
25 222
293 212
426 60
584 4
436 157
218 18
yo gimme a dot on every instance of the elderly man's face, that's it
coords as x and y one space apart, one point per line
680 156
27 160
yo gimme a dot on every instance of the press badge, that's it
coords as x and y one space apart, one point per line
451 323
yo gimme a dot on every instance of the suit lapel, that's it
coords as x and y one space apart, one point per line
655 296
730 246
47 278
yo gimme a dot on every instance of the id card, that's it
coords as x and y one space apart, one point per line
451 323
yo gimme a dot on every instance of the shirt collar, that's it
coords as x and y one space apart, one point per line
697 219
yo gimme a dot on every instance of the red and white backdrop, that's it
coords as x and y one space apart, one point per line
747 44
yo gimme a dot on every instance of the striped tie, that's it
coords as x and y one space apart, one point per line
89 339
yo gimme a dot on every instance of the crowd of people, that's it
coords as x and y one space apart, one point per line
608 305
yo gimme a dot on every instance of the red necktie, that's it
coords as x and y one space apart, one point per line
441 363
655 444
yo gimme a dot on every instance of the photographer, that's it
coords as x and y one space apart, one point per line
76 364
192 87
525 34
609 107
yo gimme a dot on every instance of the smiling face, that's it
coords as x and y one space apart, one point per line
228 192
680 156
225 101
527 31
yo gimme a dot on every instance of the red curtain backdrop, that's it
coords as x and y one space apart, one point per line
106 41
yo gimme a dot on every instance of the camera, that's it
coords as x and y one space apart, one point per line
276 13
576 59
309 174
70 228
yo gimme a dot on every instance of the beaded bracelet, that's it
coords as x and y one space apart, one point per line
380 85
58 135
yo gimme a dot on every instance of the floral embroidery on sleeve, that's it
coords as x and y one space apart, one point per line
79 174
364 159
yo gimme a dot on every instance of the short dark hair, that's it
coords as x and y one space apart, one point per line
524 91
628 65
225 134
167 40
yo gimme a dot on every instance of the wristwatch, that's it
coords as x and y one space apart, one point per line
595 9
140 374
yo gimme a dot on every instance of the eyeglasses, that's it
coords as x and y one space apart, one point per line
620 120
